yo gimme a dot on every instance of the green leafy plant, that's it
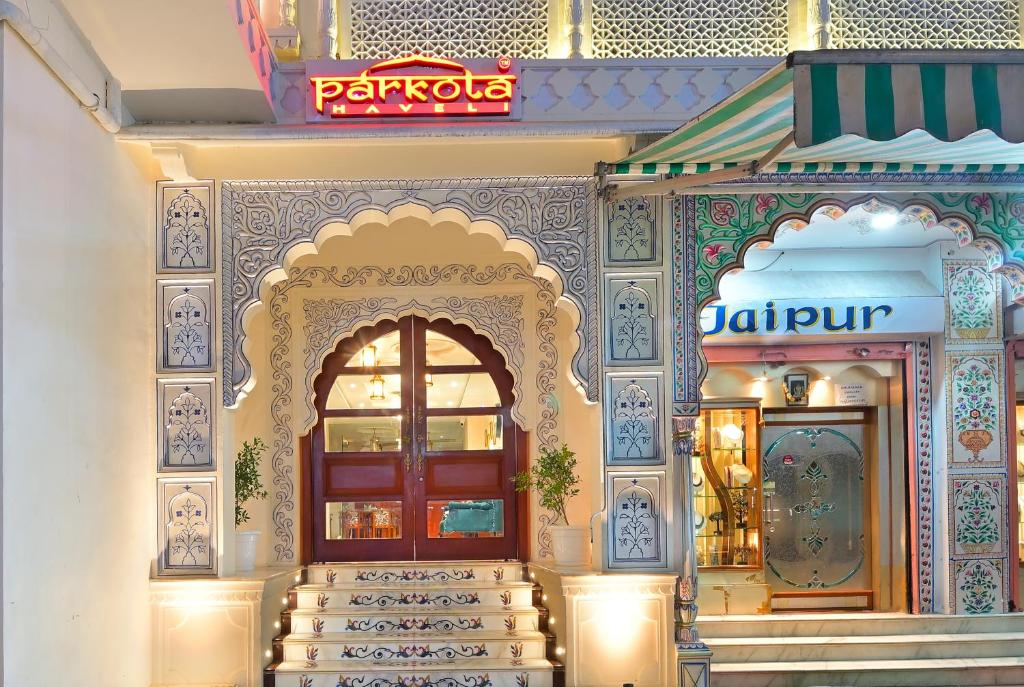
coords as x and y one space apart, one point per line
554 477
248 484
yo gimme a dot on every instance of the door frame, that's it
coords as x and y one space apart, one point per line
304 472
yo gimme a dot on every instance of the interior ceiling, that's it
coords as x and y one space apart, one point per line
176 61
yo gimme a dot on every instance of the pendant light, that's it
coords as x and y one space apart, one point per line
376 388
369 356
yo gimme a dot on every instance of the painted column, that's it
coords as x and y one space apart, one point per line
693 656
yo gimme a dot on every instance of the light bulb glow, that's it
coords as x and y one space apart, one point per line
376 388
369 356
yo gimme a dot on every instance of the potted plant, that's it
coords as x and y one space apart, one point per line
248 486
554 478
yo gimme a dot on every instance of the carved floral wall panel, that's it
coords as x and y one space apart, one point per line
633 419
185 419
978 511
632 320
185 219
635 523
187 526
186 315
631 231
973 302
979 586
975 409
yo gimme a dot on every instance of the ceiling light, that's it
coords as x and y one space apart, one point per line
453 384
369 356
376 388
884 220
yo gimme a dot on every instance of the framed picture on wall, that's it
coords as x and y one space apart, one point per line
796 388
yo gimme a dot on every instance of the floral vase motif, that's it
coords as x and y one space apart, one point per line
973 332
985 547
975 441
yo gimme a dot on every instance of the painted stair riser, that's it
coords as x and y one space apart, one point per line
979 676
524 620
415 650
394 576
866 626
418 677
399 598
910 649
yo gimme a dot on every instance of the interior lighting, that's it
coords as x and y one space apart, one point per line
369 356
429 379
884 220
269 654
560 651
732 433
376 388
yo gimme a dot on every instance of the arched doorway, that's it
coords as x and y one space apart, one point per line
414 447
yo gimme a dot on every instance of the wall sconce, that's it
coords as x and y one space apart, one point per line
376 388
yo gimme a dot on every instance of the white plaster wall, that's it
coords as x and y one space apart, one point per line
78 448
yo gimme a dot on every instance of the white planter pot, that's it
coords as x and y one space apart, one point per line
245 550
570 546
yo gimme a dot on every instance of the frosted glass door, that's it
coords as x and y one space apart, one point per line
815 507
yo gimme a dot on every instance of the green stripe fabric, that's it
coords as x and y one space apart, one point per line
986 98
879 105
825 121
933 95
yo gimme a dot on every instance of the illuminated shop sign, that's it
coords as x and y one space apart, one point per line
411 87
795 317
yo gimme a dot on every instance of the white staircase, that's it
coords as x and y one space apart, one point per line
864 649
460 624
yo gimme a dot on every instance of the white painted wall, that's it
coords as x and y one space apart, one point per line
78 446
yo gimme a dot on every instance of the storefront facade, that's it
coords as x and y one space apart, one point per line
415 255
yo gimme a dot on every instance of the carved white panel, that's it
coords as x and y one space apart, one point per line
449 28
185 430
689 28
633 428
185 227
186 315
937 24
632 320
636 522
187 526
631 231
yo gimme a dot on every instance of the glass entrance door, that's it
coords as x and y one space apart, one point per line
816 515
414 448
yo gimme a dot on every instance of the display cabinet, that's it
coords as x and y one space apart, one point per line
727 485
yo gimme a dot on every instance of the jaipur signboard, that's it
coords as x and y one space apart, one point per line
416 87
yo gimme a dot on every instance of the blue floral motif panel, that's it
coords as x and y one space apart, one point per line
978 586
632 231
632 320
633 432
186 321
636 522
187 526
185 424
185 227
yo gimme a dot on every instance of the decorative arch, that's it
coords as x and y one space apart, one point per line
552 221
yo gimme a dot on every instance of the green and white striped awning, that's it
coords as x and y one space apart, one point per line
852 110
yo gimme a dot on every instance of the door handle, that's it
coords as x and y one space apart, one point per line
408 462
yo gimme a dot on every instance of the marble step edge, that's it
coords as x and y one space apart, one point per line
860 666
846 640
429 637
463 610
454 564
434 668
419 586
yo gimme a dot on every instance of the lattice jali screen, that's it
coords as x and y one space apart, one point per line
449 28
925 23
689 28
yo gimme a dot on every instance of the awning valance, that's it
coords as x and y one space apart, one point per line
853 110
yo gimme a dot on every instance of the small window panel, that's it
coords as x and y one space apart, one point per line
464 433
472 390
352 520
480 519
367 434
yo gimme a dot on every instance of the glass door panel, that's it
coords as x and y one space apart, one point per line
815 507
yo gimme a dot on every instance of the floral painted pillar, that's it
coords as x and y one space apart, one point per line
693 656
980 558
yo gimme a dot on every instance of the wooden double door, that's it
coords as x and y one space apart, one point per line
414 449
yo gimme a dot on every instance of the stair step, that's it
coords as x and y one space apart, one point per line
401 573
466 673
865 647
350 646
402 621
959 672
853 624
506 595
